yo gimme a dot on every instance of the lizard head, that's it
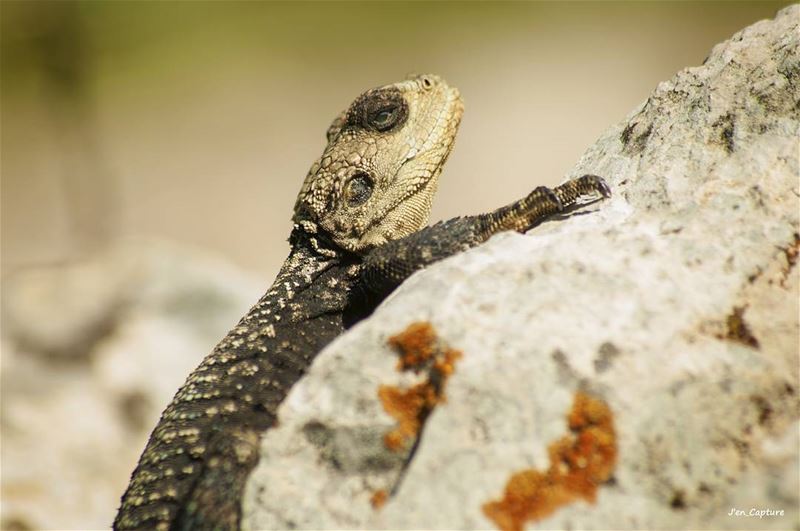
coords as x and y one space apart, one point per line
377 176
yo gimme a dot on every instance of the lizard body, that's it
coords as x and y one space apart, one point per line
357 235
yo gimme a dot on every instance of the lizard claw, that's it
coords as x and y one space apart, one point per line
571 191
598 184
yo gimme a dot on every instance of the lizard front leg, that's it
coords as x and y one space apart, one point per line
542 203
385 267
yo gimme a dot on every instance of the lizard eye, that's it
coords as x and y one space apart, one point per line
358 189
383 119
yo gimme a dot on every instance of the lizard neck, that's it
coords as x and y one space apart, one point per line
307 238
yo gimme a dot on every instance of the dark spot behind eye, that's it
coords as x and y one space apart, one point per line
358 189
380 110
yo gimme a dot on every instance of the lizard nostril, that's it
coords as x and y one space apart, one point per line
427 82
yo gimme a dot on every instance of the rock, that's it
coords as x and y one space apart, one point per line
92 353
632 366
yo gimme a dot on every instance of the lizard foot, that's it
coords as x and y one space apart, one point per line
571 191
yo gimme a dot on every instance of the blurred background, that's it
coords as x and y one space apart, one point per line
151 153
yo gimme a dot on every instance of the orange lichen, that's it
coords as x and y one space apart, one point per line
420 350
445 365
378 499
579 463
416 345
408 407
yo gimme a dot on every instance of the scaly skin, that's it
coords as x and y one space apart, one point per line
356 232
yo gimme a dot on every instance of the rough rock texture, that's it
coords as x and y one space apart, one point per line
674 306
92 352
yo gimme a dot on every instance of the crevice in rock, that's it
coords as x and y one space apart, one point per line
738 330
421 352
724 129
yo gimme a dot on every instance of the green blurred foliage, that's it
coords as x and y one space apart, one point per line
187 120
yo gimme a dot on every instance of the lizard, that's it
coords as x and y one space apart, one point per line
357 234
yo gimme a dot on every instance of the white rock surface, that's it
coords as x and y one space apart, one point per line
92 353
676 302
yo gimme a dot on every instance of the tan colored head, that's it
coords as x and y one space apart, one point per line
379 172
